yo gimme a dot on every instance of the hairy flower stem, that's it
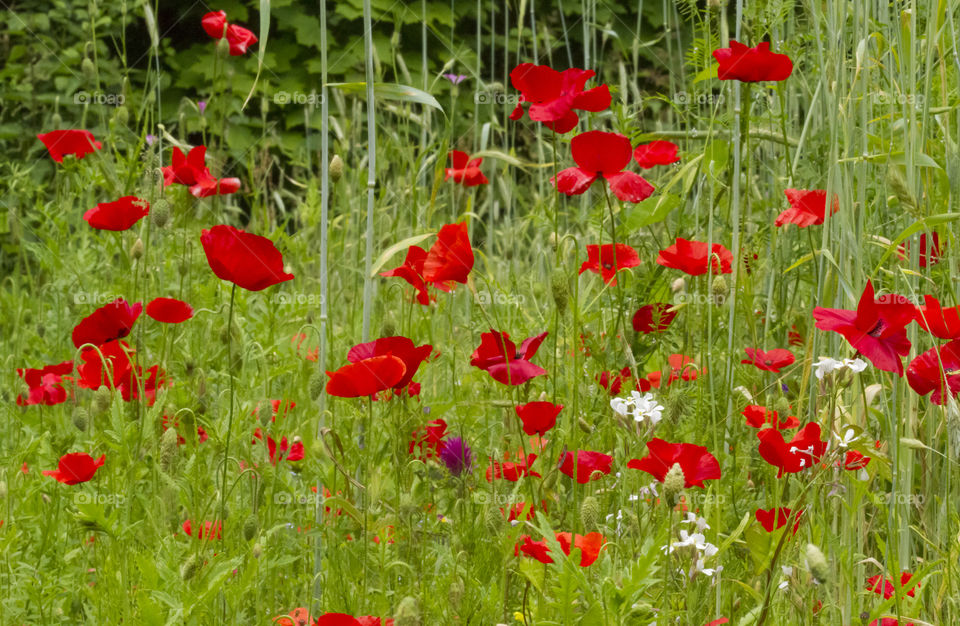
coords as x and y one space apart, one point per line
226 447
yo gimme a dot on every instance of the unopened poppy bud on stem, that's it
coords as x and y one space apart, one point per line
336 168
88 69
80 418
136 251
102 399
168 450
719 289
590 513
250 527
817 563
782 406
160 213
223 48
561 291
678 285
189 567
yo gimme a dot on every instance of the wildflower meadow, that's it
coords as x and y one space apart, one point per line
432 313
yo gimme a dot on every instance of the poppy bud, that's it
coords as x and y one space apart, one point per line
257 550
136 251
336 168
719 289
160 213
782 406
250 527
56 120
102 399
455 593
121 115
189 567
817 564
89 70
590 513
584 426
408 613
388 329
168 450
223 48
673 483
678 285
561 291
183 268
80 418
493 520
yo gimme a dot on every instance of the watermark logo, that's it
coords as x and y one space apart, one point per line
296 298
485 97
283 98
295 499
499 499
82 498
99 97
500 298
97 298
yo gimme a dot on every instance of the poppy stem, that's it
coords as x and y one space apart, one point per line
226 448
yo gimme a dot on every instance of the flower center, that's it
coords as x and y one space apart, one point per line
878 328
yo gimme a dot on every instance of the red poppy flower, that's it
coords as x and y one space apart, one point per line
800 453
412 272
538 417
938 321
553 95
924 374
166 423
694 258
60 143
653 318
887 621
515 512
602 155
876 329
782 515
400 347
450 258
884 586
45 384
681 367
465 170
587 462
366 377
239 38
284 451
207 529
499 357
719 622
169 310
854 460
648 155
429 439
111 321
794 338
589 545
117 215
607 261
191 171
76 467
91 374
247 260
770 361
613 382
297 617
759 416
752 65
926 257
696 462
510 470
807 208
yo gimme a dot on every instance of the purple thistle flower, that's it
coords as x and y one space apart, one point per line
150 139
202 106
456 79
456 455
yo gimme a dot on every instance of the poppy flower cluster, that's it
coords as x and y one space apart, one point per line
215 24
802 452
387 363
602 155
46 384
554 97
191 171
449 261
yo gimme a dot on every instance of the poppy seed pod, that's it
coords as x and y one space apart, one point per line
317 382
336 168
561 291
817 564
102 399
590 513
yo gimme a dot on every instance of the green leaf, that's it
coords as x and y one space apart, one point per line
391 91
650 211
262 46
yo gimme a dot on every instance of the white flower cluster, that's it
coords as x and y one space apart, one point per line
827 365
704 549
641 407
